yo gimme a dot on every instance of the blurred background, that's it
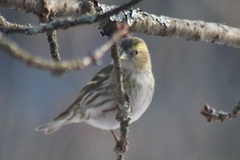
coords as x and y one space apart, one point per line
188 75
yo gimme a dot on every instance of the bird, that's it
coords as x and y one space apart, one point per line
97 102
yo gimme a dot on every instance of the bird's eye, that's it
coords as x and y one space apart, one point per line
135 52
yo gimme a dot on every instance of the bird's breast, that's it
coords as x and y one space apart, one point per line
140 89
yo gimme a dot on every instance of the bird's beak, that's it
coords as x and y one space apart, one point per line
124 55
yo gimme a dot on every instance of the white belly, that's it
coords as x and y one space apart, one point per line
139 102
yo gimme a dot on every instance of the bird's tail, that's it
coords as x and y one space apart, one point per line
50 127
67 117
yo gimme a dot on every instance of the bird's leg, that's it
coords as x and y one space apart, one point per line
114 136
120 147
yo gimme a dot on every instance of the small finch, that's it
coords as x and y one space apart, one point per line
97 103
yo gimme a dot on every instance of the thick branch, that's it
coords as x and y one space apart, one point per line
69 22
138 21
14 50
213 115
142 22
60 8
187 29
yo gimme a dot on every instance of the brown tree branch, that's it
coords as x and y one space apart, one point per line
52 40
212 115
124 112
142 22
6 24
189 30
25 57
69 22
60 8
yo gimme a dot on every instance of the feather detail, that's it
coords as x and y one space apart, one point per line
50 127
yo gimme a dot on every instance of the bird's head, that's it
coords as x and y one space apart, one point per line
134 53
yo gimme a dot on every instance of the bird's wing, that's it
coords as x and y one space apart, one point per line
99 78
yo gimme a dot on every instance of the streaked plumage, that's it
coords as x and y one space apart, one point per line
97 102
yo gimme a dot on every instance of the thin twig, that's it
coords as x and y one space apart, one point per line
212 115
6 24
124 113
69 22
52 40
25 57
46 17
